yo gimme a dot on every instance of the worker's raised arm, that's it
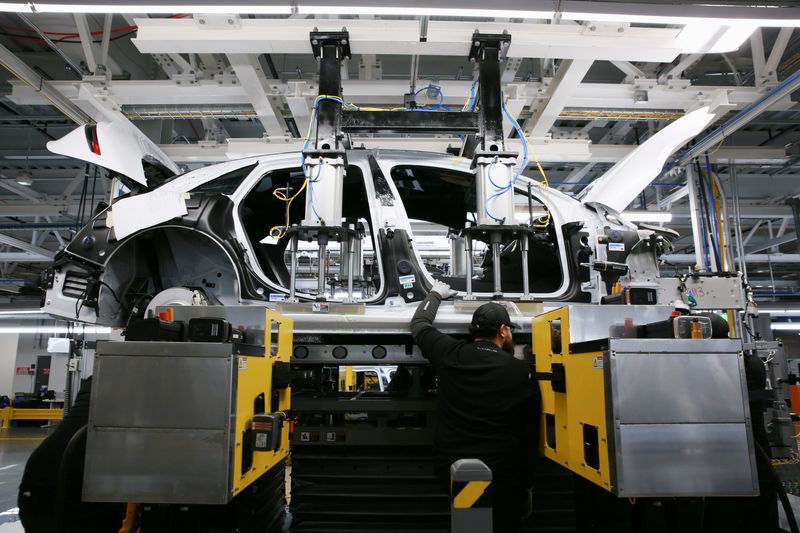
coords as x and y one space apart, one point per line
430 340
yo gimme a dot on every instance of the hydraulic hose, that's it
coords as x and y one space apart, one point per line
67 459
787 506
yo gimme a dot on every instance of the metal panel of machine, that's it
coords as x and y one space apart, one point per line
680 420
675 387
164 465
160 423
703 293
588 322
685 460
183 381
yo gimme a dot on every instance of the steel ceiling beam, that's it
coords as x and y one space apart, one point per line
25 246
260 93
772 243
734 124
613 41
677 96
548 151
546 108
42 87
24 257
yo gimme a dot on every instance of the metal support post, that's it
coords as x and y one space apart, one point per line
497 240
468 252
323 250
325 157
794 203
350 264
694 209
471 503
526 291
293 269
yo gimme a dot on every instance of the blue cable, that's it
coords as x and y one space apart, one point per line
435 89
713 209
520 168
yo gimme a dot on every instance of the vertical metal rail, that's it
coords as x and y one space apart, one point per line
293 269
323 250
694 211
498 284
468 252
350 266
526 291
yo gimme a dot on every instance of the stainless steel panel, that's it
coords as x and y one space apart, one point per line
696 346
588 322
662 388
685 460
171 349
174 391
709 293
164 466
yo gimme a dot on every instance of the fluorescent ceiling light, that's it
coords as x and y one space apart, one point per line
701 37
164 8
647 216
16 8
673 19
55 329
24 178
786 326
422 11
22 312
780 311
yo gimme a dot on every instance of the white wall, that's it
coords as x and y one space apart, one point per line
8 362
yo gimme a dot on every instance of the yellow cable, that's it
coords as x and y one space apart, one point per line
280 195
469 97
545 185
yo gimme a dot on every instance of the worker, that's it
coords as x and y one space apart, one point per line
488 404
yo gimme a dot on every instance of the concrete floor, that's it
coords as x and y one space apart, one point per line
16 444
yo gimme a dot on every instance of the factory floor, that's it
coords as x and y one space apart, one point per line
16 445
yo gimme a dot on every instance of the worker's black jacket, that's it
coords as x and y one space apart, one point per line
489 404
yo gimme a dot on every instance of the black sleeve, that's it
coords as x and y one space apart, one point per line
430 340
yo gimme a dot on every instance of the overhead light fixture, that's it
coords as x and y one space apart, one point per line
702 37
786 326
261 8
478 12
702 15
16 8
24 178
79 329
789 312
647 216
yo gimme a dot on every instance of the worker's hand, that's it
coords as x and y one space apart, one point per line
443 290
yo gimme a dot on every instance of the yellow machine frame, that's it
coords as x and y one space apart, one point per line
255 378
585 403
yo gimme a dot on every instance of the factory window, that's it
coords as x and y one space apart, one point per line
439 202
261 211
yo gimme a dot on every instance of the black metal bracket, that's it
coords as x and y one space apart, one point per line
492 234
488 50
483 130
557 377
330 48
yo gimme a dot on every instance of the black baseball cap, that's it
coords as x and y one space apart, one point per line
488 318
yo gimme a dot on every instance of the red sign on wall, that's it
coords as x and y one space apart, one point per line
24 371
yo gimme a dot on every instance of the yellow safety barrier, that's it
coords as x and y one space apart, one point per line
7 414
